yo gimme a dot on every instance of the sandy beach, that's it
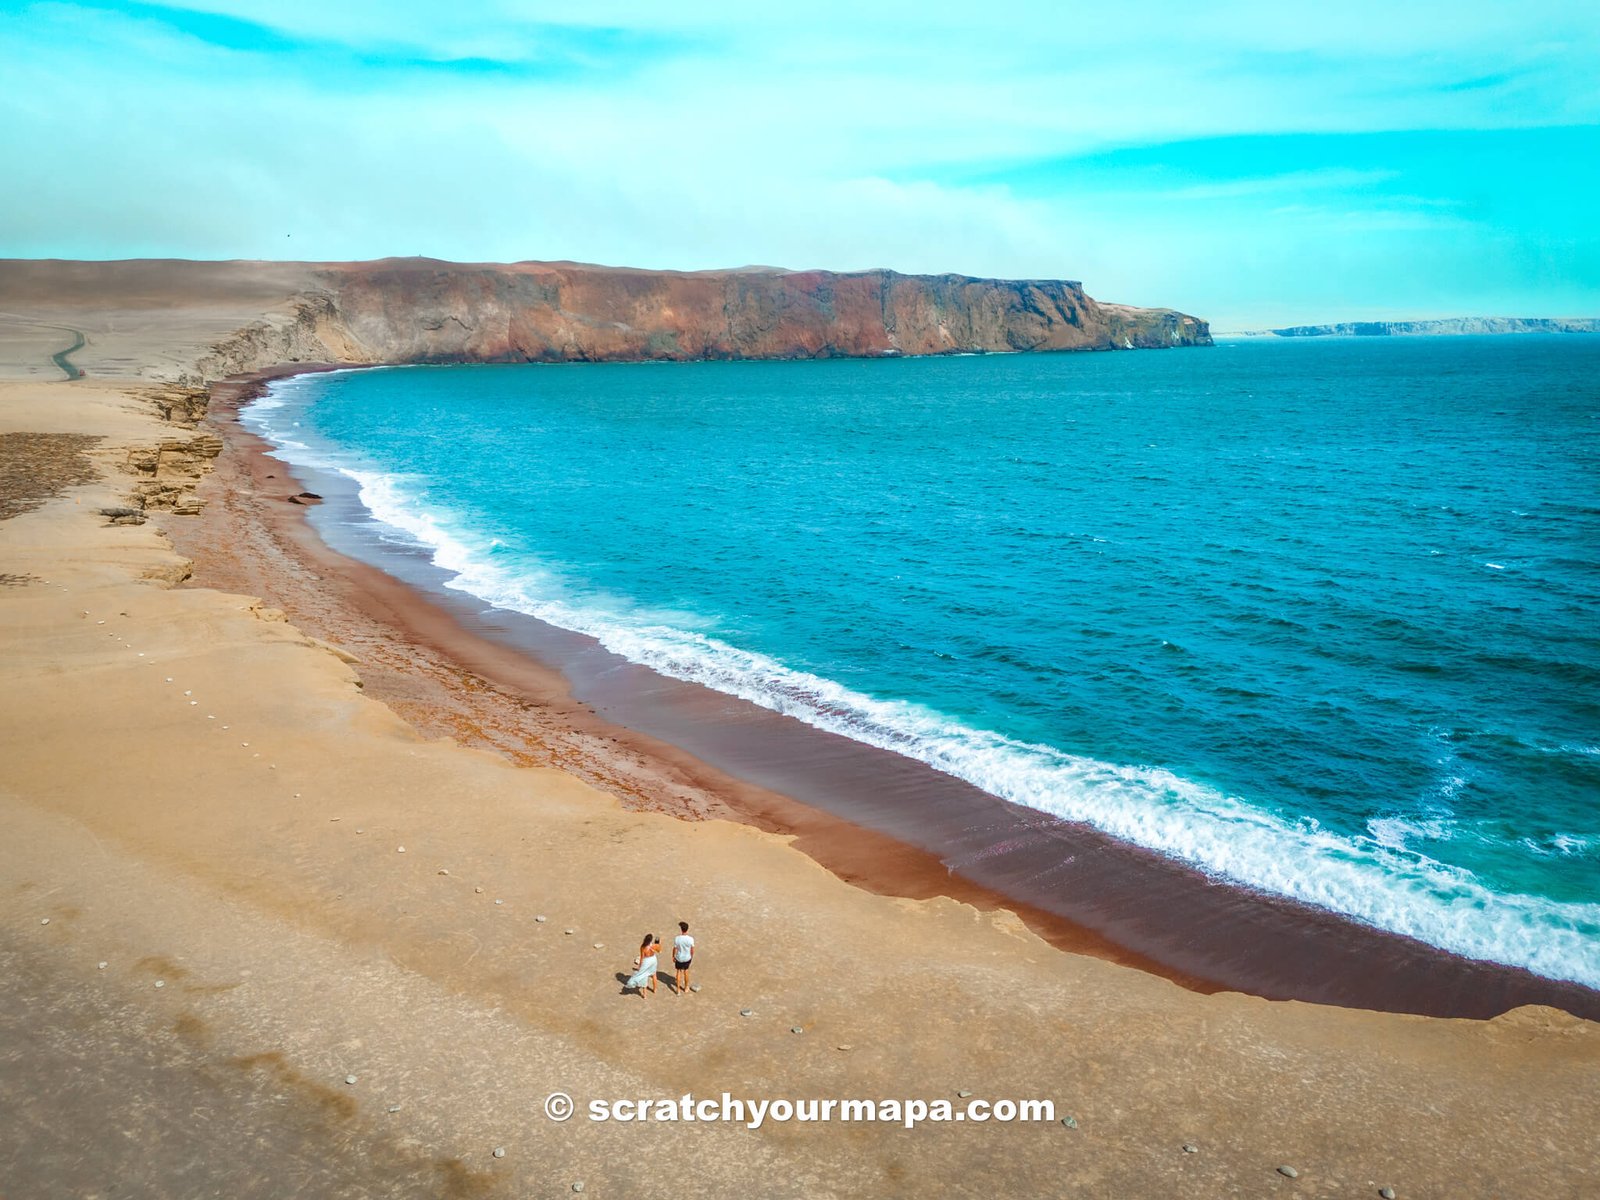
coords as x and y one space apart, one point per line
279 836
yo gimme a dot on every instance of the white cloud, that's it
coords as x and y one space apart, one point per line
826 135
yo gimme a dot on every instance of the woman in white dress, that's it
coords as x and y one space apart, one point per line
646 964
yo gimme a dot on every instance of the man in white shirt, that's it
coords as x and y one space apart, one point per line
682 956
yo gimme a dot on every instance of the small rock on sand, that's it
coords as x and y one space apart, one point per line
844 1046
161 983
44 920
1288 1172
349 1078
394 1108
569 932
1070 1122
747 1012
694 987
963 1093
599 945
499 1151
499 901
102 966
796 1029
442 871
478 891
578 1187
1188 1149
541 918
399 849
1386 1193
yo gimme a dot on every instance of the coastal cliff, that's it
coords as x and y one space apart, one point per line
423 310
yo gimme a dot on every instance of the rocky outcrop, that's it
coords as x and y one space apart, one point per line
168 473
1444 328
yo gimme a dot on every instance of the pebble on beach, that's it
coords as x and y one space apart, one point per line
747 1012
844 1046
963 1093
694 987
578 1187
102 966
442 871
161 983
44 920
1070 1122
599 945
1386 1193
1188 1149
349 1078
796 1029
1288 1172
394 1108
541 918
499 1151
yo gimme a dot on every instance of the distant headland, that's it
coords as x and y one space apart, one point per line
420 310
1448 327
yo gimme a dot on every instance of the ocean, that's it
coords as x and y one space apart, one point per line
1319 618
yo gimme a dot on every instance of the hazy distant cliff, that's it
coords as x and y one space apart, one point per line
423 310
1448 326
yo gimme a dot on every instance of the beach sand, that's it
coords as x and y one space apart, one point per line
201 794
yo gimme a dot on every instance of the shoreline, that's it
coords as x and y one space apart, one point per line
882 822
516 682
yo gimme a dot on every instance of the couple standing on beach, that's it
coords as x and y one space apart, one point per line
649 949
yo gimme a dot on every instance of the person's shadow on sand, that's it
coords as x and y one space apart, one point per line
661 977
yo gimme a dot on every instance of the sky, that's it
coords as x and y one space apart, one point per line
1258 164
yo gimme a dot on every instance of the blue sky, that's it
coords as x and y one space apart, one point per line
1255 163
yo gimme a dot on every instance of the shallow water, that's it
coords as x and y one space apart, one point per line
1318 617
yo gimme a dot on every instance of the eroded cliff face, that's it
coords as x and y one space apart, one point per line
220 319
418 310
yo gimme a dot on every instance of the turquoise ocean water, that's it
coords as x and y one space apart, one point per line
1321 618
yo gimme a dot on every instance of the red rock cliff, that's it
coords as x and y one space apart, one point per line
424 310
420 310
